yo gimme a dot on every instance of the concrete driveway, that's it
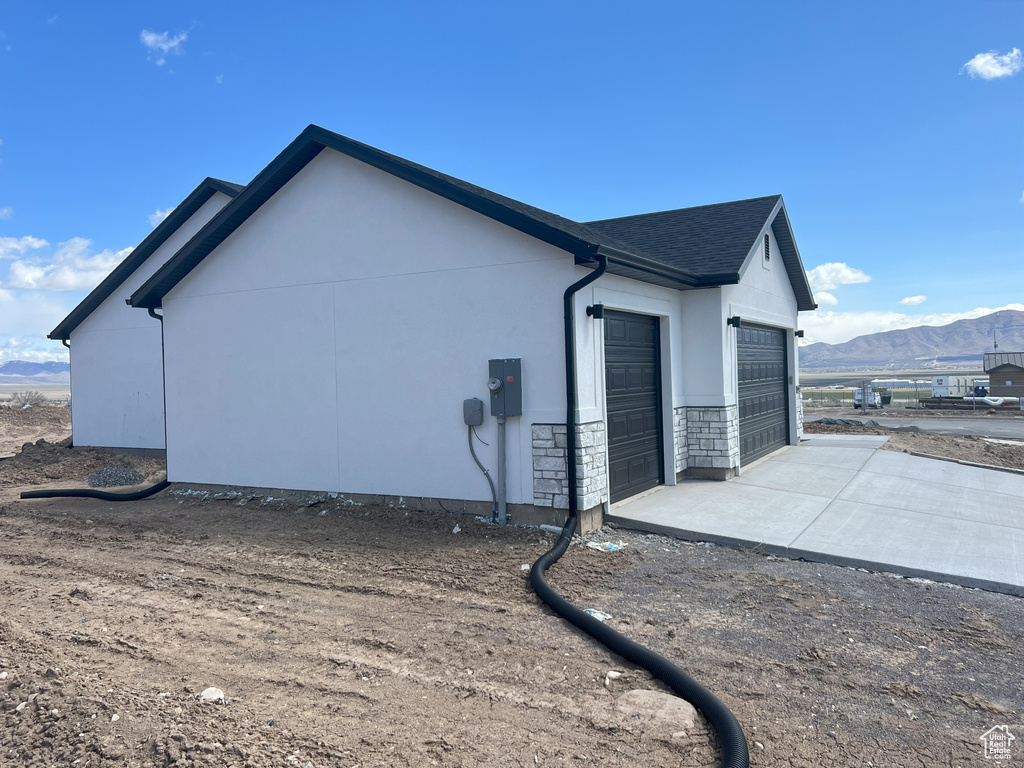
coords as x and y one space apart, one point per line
838 499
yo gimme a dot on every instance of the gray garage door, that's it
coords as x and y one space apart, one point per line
763 390
633 387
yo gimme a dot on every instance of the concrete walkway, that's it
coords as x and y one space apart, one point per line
838 499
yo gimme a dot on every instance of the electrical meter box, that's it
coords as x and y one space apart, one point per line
506 386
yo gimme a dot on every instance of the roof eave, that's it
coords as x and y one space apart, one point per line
149 245
648 266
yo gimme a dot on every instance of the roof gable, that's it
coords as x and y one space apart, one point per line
645 259
713 242
160 234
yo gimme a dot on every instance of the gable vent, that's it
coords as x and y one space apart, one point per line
767 248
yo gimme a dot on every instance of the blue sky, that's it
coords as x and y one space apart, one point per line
893 129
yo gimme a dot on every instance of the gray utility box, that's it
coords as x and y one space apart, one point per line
473 411
506 386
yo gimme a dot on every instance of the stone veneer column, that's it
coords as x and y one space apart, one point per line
799 414
679 430
550 474
713 442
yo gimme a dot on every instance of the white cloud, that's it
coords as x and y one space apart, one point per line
6 213
827 277
26 317
219 79
824 297
160 45
157 216
837 327
71 268
13 247
34 350
991 65
913 301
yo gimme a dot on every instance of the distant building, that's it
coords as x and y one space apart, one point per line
1006 373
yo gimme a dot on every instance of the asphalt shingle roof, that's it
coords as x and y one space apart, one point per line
706 240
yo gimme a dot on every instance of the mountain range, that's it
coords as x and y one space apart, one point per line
22 373
958 345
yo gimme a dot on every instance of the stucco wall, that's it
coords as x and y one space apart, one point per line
329 343
116 378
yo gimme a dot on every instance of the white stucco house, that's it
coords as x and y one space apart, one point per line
322 329
116 359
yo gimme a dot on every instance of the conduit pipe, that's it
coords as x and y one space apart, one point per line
91 493
727 729
494 495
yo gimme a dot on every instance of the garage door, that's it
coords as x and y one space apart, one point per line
633 387
763 390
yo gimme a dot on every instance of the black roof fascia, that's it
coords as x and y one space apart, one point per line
182 213
557 231
294 158
791 258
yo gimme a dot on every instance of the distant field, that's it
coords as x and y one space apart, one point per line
856 378
52 391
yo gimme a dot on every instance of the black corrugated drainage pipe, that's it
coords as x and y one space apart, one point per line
91 493
727 729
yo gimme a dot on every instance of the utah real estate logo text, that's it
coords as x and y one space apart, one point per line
997 741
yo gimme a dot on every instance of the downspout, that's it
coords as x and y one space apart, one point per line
163 372
570 377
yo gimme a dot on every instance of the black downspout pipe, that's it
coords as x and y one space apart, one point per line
151 311
731 740
570 377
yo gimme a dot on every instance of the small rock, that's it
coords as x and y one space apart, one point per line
114 718
759 745
456 529
611 675
215 695
51 673
21 707
658 708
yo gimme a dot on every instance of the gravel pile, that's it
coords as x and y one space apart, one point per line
114 475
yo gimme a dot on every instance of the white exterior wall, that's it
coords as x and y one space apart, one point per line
328 344
765 296
116 363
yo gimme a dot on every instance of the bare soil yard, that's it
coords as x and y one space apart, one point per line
976 450
357 636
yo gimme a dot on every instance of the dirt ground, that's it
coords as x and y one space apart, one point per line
356 636
977 450
18 427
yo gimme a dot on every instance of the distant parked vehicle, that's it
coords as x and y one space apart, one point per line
874 399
